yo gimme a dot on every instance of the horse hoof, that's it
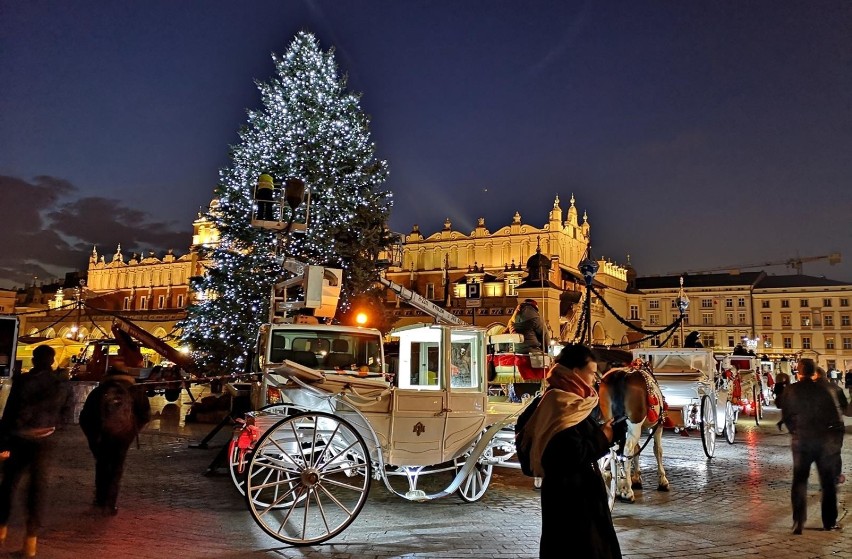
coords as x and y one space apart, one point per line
636 485
623 499
663 488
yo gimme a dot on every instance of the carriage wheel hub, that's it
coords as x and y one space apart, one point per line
310 476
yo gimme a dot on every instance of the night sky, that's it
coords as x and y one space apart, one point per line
695 134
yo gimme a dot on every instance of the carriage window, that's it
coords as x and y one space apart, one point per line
464 367
422 369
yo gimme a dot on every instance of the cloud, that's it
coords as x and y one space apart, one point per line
46 231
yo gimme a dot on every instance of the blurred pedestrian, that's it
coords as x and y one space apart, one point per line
111 418
565 445
838 428
847 379
809 412
782 381
37 402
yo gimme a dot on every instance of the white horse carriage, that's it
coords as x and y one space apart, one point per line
336 424
694 396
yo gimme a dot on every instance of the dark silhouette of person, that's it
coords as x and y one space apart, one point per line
110 433
838 430
693 339
565 443
526 321
847 380
37 403
809 413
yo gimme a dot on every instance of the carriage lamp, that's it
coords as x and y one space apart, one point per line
361 319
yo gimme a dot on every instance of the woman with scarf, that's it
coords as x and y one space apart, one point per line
565 444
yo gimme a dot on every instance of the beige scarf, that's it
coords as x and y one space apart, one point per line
566 403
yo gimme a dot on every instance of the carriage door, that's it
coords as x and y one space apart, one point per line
466 394
419 406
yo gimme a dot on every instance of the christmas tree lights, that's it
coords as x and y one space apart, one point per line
312 128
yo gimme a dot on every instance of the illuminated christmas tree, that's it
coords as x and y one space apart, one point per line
309 127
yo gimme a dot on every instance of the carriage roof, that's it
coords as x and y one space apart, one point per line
682 362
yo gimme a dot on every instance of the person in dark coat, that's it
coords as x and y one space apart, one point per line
565 445
109 443
37 403
847 380
838 429
782 381
809 413
526 320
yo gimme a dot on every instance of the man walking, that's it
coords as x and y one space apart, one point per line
111 418
37 402
809 413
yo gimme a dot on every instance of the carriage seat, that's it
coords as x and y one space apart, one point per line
339 356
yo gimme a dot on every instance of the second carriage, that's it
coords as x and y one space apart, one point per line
696 396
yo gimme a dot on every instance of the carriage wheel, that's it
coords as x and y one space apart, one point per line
474 485
609 465
758 406
730 422
237 464
708 426
308 478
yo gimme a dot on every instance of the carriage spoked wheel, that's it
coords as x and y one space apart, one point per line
474 485
758 404
238 459
609 466
708 426
308 478
730 422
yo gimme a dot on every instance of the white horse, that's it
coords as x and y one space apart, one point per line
633 392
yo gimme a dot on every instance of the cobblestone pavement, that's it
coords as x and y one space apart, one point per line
735 505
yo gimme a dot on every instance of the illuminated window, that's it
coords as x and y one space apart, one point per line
786 320
634 312
806 320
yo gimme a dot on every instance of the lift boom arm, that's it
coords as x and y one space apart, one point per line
422 303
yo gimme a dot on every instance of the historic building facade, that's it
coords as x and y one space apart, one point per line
449 266
152 290
777 316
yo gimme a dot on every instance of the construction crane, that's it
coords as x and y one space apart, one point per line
794 263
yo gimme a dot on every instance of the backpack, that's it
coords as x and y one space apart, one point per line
522 444
117 417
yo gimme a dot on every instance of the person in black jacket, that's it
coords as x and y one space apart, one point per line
108 441
809 413
37 402
565 444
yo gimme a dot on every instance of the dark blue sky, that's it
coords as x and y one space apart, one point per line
695 134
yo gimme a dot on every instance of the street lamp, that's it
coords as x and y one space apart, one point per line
589 268
682 302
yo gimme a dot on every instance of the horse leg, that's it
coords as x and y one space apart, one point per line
636 479
658 454
631 445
